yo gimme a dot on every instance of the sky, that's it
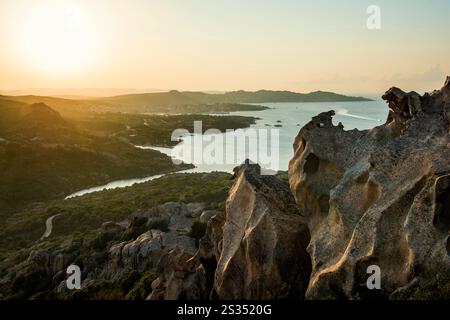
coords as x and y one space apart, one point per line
223 45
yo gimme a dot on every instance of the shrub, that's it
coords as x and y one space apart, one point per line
28 283
436 288
99 290
162 225
143 287
128 281
137 227
198 230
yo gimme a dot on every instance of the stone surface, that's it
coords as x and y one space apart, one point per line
112 228
256 249
195 208
376 197
207 215
261 248
181 277
179 216
144 252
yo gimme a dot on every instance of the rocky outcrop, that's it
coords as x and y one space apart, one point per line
51 262
118 254
376 197
263 240
144 252
255 250
207 215
181 278
354 200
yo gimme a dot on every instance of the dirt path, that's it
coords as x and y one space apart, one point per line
49 226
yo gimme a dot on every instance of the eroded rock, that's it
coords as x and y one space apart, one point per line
144 252
261 252
377 196
181 277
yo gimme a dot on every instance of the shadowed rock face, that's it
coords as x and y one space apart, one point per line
263 241
379 196
256 249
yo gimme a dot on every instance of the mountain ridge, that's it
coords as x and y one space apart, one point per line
175 101
242 96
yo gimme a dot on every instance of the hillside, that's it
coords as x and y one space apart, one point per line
45 155
182 102
190 97
352 200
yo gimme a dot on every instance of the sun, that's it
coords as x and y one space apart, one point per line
56 38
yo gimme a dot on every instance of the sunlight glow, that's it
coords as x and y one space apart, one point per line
57 38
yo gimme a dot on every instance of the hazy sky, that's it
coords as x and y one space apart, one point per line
224 45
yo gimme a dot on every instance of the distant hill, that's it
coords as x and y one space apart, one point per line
46 156
77 92
41 114
261 96
181 101
33 119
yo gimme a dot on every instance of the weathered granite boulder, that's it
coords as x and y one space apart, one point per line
181 277
144 252
256 249
376 197
112 228
178 216
261 249
50 261
195 208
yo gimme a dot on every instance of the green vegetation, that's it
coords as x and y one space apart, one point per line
35 281
99 290
173 102
78 232
138 226
155 130
44 156
198 230
80 217
143 287
162 225
437 288
183 102
40 172
134 286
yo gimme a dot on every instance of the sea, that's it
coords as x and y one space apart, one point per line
268 142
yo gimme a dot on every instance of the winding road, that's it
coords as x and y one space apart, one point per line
49 226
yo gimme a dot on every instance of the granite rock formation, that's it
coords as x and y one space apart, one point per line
377 197
255 250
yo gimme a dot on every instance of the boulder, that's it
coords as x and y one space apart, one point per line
113 228
261 249
144 252
207 215
179 216
181 277
376 197
195 208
